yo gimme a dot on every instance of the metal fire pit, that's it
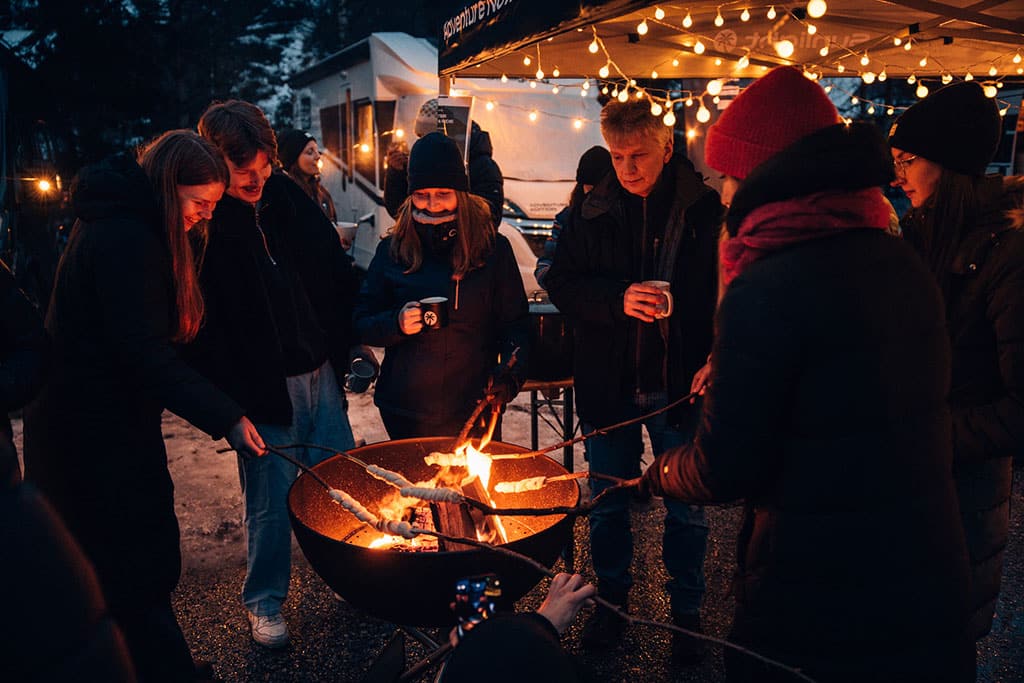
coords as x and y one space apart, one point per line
416 588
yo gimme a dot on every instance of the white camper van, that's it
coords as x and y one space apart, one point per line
361 99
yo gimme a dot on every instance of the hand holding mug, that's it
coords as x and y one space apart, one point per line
648 300
397 158
410 318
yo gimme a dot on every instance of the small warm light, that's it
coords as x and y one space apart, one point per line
555 90
687 21
44 185
615 92
654 74
990 91
641 28
897 41
743 62
716 99
675 62
923 62
364 148
854 100
703 115
868 77
823 51
784 48
623 95
604 90
745 15
865 60
669 119
993 70
527 60
890 111
533 84
688 102
539 74
771 12
811 29
489 106
533 116
504 78
691 133
603 71
882 75
698 48
399 133
715 87
1016 58
817 8
1003 110
583 92
840 68
828 89
947 79
907 45
593 47
656 109
718 61
922 91
998 85
718 19
577 123
968 76
586 84
639 94
871 109
911 79
556 73
659 13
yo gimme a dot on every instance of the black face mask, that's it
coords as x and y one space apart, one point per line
437 237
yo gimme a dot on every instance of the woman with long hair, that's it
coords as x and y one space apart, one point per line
966 226
443 246
126 292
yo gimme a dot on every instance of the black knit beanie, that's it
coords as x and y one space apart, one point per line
435 161
290 144
957 127
594 165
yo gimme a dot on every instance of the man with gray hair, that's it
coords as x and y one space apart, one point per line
650 227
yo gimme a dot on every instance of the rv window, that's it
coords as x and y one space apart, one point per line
305 117
365 149
385 116
333 125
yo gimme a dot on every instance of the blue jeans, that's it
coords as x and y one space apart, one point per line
318 416
611 539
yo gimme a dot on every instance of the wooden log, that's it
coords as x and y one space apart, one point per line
491 529
453 519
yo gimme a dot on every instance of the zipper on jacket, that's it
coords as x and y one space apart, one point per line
266 247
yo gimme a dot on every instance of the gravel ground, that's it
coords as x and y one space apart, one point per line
332 641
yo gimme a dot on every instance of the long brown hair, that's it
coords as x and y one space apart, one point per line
475 234
181 157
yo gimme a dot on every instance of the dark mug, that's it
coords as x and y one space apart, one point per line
435 312
361 374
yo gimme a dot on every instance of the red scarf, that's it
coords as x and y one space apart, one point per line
775 226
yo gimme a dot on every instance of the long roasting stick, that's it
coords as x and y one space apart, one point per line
461 439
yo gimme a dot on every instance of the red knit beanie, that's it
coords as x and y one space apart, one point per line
769 115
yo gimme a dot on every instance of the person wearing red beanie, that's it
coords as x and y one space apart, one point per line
653 219
826 409
967 227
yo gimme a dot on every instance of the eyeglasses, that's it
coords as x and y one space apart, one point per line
901 164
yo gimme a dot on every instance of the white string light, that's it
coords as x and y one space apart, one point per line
816 9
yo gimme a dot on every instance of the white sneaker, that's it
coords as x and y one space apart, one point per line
270 630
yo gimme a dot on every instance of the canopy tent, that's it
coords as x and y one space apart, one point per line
634 39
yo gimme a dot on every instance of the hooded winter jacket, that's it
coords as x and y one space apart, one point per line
985 309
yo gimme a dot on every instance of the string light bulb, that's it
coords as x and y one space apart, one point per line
593 47
947 78
828 89
703 115
811 29
539 74
897 41
1016 58
603 71
623 95
868 77
771 13
907 45
924 61
890 111
687 20
583 92
922 90
968 76
816 8
993 70
743 62
604 90
586 84
745 15
911 79
654 75
840 68
823 51
718 61
577 124
659 13
719 20
675 62
504 78
784 48
882 75
556 73
533 84
527 60
698 47
490 105
670 119
715 87
641 28
688 102
555 90
991 91
854 100
871 109
532 116
655 109
691 133
865 60
639 94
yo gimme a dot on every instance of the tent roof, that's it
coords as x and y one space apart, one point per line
489 39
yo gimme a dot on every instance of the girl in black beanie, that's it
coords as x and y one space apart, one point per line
443 245
300 156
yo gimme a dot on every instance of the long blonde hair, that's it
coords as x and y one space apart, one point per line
474 238
181 157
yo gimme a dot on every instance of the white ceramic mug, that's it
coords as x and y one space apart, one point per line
346 231
665 307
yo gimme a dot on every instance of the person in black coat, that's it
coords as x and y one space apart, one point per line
826 411
443 245
653 219
485 179
277 338
126 290
967 227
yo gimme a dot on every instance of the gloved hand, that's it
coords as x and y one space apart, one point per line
502 385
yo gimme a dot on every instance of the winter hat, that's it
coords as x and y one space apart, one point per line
957 127
426 119
435 161
769 115
594 165
290 144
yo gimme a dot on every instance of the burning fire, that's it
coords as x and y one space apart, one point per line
466 469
